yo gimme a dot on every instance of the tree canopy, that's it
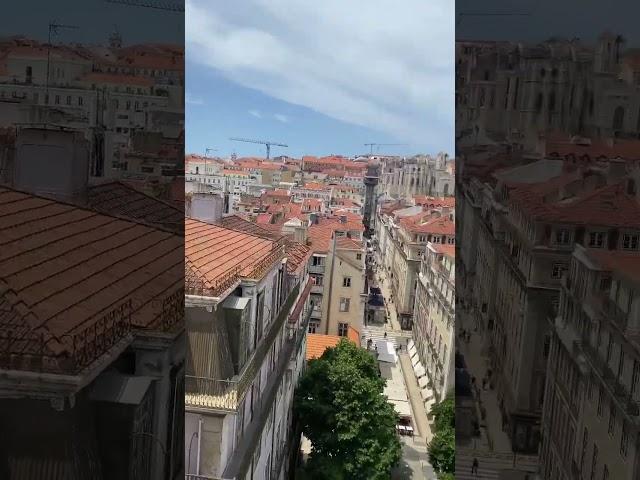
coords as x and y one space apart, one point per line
442 450
343 412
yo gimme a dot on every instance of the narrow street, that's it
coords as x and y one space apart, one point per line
493 448
415 459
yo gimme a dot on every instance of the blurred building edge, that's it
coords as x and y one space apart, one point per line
92 320
247 315
127 102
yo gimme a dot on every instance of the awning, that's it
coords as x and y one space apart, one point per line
414 361
423 381
402 408
419 370
426 394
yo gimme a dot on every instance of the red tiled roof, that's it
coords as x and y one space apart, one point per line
445 249
297 254
422 223
559 144
263 218
212 252
608 206
434 202
63 269
318 343
118 198
622 263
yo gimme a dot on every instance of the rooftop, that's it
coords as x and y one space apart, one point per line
318 343
75 281
216 257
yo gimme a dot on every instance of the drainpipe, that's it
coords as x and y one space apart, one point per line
199 444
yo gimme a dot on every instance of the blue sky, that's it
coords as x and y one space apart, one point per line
324 78
217 109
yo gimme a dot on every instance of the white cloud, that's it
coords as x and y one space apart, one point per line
191 100
281 118
369 63
255 113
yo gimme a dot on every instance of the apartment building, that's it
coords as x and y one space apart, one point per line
406 233
525 233
434 320
109 93
247 317
591 419
345 295
91 351
346 230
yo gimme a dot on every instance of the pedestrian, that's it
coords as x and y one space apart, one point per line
474 467
385 334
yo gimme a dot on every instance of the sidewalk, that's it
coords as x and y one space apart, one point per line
498 440
410 381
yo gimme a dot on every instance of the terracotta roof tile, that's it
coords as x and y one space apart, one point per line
63 269
318 343
118 198
214 253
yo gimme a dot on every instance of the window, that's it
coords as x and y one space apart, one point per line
343 328
317 261
344 304
46 99
36 97
562 237
624 440
612 419
596 239
346 281
128 105
80 100
57 99
630 242
358 256
68 99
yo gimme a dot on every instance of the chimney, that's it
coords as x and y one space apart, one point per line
53 163
206 207
300 234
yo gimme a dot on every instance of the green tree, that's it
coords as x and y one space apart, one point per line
442 450
343 412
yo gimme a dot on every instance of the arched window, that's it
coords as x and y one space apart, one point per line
618 118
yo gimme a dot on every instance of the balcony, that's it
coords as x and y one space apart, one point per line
316 269
316 311
226 395
317 289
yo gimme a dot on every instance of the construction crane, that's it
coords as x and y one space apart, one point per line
267 143
157 4
382 145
